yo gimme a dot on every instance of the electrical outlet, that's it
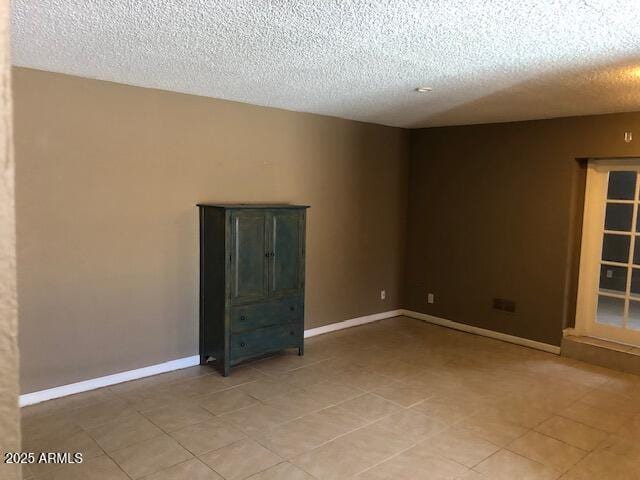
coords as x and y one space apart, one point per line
431 298
383 294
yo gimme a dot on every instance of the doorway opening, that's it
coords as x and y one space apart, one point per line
609 283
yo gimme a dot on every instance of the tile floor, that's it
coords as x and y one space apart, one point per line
397 399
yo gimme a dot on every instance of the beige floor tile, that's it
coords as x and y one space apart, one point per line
370 407
521 413
392 367
602 465
192 469
240 376
446 409
505 465
194 387
97 468
377 440
175 417
27 473
331 393
411 466
123 432
412 425
572 432
38 429
206 436
287 361
303 377
282 471
611 401
622 446
403 394
226 401
297 403
79 442
292 439
100 413
265 389
334 419
495 430
459 445
471 475
256 418
595 417
361 378
546 450
240 460
335 460
627 385
150 456
631 428
351 453
303 434
143 400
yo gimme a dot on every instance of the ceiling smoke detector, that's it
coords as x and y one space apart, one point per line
423 89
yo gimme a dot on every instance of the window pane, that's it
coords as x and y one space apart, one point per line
622 185
613 278
610 311
633 322
635 281
618 217
615 248
636 251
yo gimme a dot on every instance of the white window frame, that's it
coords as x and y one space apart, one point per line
591 248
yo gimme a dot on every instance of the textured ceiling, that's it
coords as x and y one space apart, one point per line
486 60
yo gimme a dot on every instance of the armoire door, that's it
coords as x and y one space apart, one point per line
249 256
287 241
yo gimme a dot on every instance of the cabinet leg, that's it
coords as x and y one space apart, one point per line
203 359
301 350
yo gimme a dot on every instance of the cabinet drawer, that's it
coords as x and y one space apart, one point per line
264 340
276 312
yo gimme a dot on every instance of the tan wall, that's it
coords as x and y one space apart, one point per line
9 415
496 211
107 176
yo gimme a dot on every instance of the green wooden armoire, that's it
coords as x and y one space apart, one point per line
251 281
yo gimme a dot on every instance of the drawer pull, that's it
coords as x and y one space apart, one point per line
242 344
292 332
242 317
292 308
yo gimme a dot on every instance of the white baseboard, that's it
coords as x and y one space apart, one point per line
92 384
525 342
354 322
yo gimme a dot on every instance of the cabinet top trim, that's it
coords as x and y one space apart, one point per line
237 206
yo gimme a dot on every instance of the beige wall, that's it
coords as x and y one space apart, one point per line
107 177
9 415
496 211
